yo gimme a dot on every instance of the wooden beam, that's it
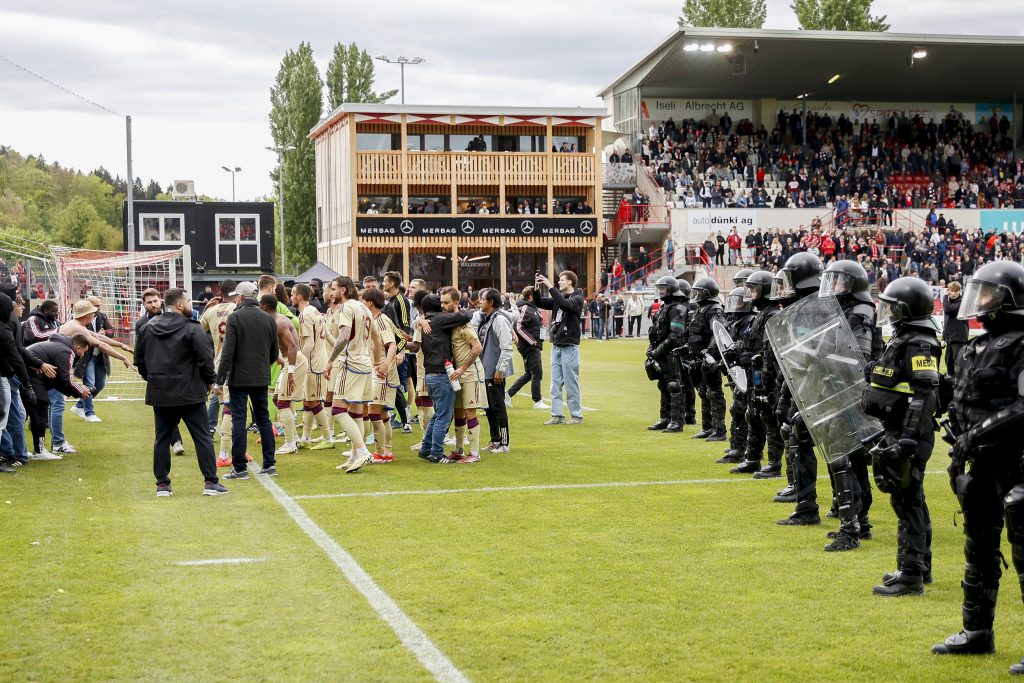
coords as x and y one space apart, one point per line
503 266
455 264
551 255
548 145
405 261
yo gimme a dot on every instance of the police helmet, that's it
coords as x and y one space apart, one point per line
758 285
703 289
996 287
736 302
780 291
801 272
666 286
845 278
684 288
906 301
740 278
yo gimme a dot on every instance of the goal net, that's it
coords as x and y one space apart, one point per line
118 279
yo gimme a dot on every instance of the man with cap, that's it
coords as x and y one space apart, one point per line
250 348
82 315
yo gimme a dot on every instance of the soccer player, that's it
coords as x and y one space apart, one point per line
385 375
215 322
313 343
466 349
355 333
291 383
332 314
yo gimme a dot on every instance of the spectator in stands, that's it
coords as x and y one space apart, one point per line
735 243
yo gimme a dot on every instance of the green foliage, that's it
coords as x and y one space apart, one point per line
724 13
837 15
350 77
296 103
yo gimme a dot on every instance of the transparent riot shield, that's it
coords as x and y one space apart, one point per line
824 369
723 341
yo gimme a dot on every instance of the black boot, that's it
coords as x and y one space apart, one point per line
773 470
672 428
702 434
865 535
691 420
926 576
659 425
730 458
786 495
747 467
899 584
717 436
847 538
800 519
1018 668
981 642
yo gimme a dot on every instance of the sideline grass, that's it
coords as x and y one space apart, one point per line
674 582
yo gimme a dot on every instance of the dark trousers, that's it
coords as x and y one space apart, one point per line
534 373
166 420
914 524
240 398
497 415
763 428
952 351
712 400
634 320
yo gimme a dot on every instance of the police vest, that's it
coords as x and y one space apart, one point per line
889 390
983 383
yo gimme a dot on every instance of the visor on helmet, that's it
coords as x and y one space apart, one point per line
835 284
752 293
782 286
736 303
980 298
699 293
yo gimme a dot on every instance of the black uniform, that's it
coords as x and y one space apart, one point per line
739 328
756 356
707 375
986 472
903 394
667 334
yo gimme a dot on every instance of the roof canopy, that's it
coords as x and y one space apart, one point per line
871 66
318 270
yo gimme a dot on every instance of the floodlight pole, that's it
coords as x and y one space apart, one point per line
130 188
401 62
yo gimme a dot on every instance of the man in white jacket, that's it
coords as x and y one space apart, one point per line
498 340
634 311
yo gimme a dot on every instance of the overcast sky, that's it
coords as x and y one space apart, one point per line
195 75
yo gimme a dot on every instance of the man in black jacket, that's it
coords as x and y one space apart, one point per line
61 353
250 348
13 374
566 305
529 344
954 331
176 360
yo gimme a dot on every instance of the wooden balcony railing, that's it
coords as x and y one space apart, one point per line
476 168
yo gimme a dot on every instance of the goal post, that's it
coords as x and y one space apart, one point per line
119 279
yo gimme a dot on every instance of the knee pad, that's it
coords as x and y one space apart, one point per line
1013 506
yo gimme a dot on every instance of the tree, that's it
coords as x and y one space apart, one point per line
350 77
724 13
837 15
296 103
76 222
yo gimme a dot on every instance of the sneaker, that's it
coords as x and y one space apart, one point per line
438 460
555 420
269 471
235 474
178 448
212 488
416 446
407 429
370 439
450 441
575 421
342 438
541 405
278 430
253 428
164 491
491 445
44 454
499 449
324 445
64 448
80 412
381 458
472 457
304 444
456 454
358 461
287 449
508 400
93 418
414 420
6 467
223 460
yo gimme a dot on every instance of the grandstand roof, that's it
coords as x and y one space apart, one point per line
872 66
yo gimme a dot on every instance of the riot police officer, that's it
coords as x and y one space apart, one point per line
689 391
705 373
740 278
800 278
781 296
986 471
903 392
754 357
848 282
668 333
738 315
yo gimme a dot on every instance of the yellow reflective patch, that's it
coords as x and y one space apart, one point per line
921 363
884 372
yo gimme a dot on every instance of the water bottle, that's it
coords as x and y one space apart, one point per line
450 369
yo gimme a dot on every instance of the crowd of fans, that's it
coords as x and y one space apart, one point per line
904 162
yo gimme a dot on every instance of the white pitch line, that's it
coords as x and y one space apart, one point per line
407 631
224 560
538 487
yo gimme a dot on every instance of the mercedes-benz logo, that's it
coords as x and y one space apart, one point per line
586 227
526 227
468 227
406 227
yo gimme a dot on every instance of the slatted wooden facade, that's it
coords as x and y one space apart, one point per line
343 174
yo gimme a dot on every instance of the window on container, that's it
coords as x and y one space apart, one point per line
377 142
568 143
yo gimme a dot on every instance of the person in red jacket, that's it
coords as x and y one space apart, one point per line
828 248
735 242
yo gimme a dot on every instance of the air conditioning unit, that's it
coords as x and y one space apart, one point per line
183 189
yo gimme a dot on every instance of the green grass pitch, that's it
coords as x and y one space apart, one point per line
677 580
